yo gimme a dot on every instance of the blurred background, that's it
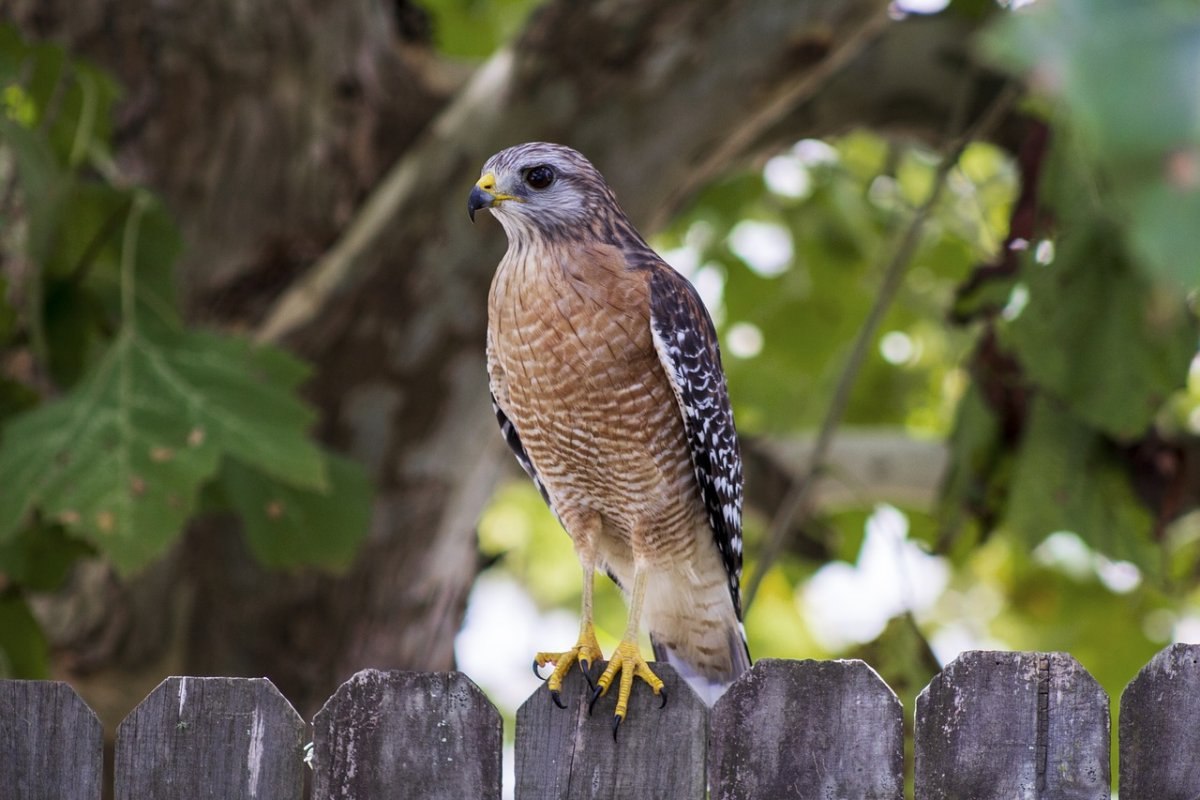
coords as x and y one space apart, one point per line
951 250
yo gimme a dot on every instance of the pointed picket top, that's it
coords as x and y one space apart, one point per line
567 753
801 729
233 738
51 743
1160 728
1000 725
432 735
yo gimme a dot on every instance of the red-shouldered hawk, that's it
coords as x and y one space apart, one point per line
606 380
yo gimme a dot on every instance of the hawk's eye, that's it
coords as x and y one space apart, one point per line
539 177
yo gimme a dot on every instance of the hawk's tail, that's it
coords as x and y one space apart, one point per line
708 680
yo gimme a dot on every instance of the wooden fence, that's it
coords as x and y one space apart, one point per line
991 725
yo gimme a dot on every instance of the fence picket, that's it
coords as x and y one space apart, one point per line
51 744
1003 725
407 734
231 738
567 753
1160 735
991 725
807 729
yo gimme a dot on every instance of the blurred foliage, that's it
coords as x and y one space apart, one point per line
1044 362
1121 78
115 414
839 209
475 28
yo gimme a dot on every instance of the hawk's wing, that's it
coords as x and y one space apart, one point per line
513 439
497 386
687 347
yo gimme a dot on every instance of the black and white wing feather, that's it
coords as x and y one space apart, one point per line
498 386
687 347
513 440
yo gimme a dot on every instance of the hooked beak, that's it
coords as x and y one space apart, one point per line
484 195
477 200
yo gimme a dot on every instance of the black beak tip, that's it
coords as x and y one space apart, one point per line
477 200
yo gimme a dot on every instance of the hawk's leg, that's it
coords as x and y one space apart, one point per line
627 658
585 651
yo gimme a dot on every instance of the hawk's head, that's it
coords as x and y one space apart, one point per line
543 189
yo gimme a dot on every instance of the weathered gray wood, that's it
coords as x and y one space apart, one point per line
1012 725
428 735
807 729
227 738
568 754
1160 728
51 743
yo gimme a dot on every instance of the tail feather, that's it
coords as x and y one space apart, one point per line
709 688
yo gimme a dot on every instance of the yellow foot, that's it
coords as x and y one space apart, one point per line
585 651
627 660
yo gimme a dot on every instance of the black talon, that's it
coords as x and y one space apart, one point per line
595 697
554 695
535 671
616 724
585 666
663 692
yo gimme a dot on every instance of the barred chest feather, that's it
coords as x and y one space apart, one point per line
572 361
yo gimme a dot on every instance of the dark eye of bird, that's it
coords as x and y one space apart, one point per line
539 177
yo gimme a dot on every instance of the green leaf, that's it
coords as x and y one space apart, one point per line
1164 231
1122 79
13 52
975 452
45 67
986 296
23 651
83 113
69 103
154 249
1068 478
39 557
15 103
1098 336
1099 57
8 314
44 185
15 397
471 28
92 214
842 229
118 461
271 365
820 300
289 526
845 531
74 322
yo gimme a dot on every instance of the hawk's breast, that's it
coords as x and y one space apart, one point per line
582 383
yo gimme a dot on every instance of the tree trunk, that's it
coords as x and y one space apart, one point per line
267 130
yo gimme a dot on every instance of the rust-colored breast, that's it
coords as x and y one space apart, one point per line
574 367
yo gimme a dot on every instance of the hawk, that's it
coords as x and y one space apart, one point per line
606 380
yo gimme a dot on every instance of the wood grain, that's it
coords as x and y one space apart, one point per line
227 738
430 735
